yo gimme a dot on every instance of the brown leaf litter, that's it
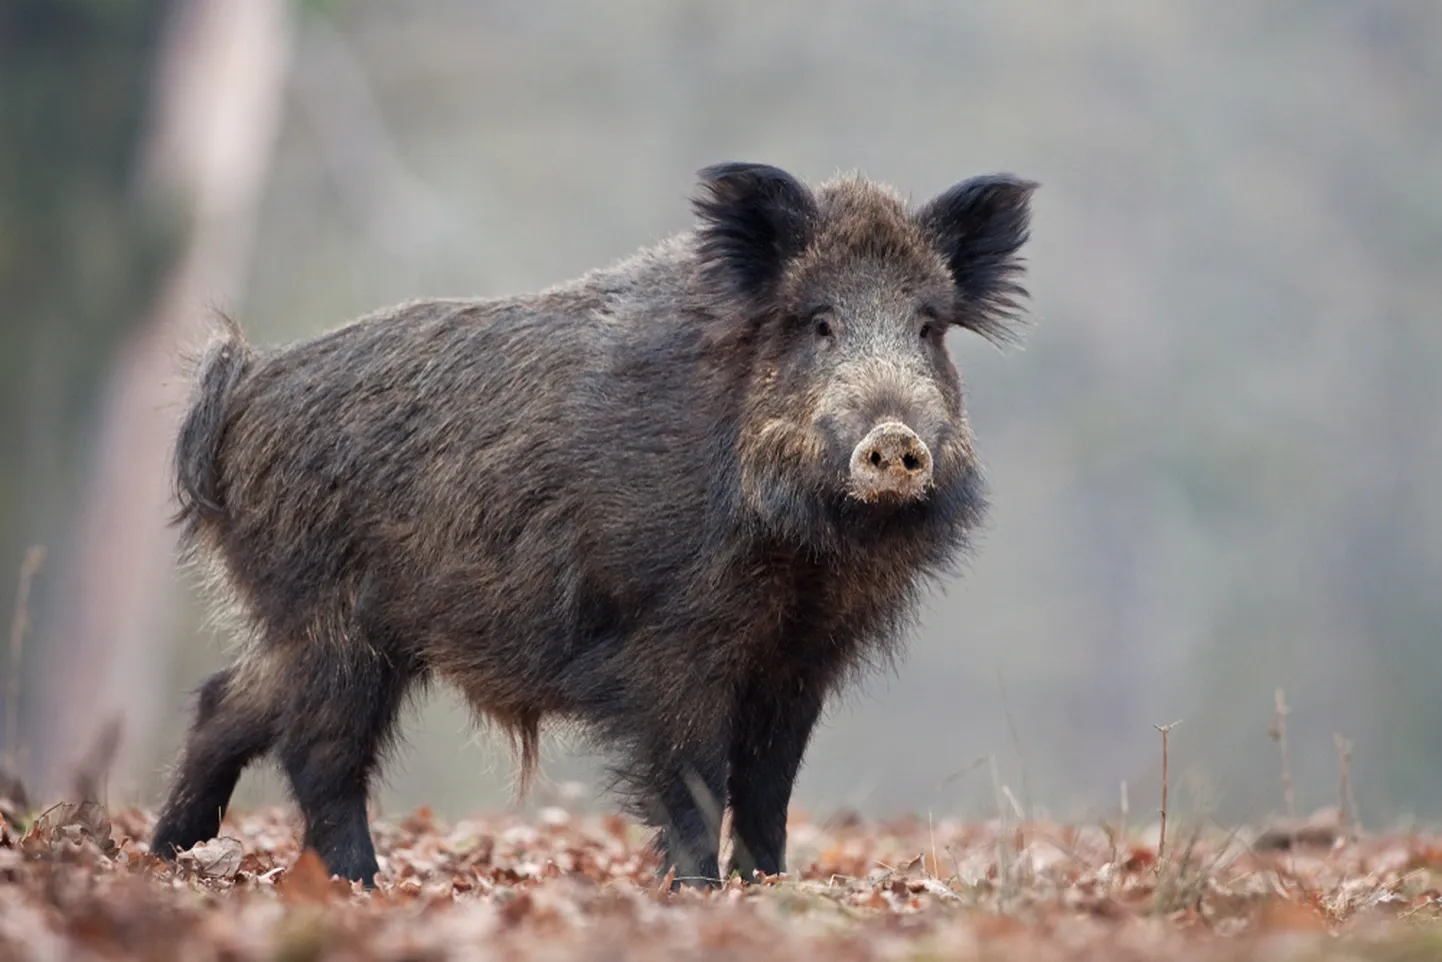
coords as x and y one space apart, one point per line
78 883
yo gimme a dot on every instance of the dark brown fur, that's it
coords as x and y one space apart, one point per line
623 502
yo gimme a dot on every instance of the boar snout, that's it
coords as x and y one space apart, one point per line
891 461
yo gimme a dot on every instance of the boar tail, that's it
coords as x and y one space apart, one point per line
221 369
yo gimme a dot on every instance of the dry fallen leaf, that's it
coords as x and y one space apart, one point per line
1286 916
305 881
67 828
218 858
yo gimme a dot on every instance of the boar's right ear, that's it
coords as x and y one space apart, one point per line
754 218
979 225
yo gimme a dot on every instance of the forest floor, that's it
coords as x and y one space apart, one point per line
77 883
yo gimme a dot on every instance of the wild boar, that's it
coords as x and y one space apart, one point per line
678 502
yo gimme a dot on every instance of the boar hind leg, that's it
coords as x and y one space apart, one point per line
773 726
344 702
234 723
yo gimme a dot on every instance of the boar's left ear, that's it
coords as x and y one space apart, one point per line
754 218
979 225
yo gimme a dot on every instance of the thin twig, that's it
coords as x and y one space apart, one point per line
19 625
1162 840
960 772
931 830
1119 837
1015 743
1015 805
1278 733
1003 861
1126 810
1346 802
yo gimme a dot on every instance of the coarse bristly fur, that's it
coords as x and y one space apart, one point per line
637 502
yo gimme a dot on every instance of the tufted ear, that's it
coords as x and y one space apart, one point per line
979 225
754 218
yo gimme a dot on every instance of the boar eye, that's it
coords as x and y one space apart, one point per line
930 321
820 322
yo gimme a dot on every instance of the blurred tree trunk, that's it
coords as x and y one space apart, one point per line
79 254
215 107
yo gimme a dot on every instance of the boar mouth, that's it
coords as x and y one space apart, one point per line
890 464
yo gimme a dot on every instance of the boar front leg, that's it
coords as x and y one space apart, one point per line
774 722
685 801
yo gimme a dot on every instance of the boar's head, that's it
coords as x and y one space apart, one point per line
852 409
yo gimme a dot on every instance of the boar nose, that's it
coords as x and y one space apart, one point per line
890 460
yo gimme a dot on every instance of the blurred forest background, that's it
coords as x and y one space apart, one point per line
1215 465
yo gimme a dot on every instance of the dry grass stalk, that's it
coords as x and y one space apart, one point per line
1162 840
1278 733
19 627
1346 801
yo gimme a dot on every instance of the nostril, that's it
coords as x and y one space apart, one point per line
875 458
911 461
